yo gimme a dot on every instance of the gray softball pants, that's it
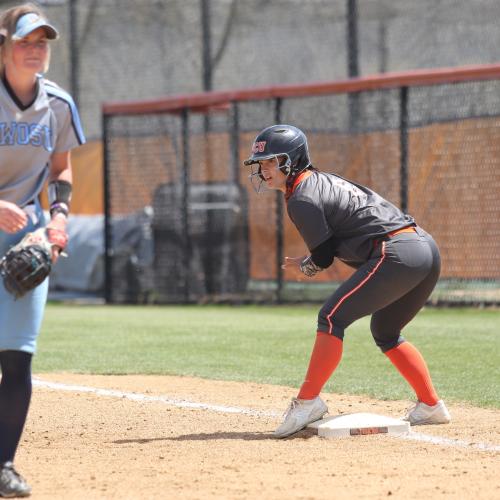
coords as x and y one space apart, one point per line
392 286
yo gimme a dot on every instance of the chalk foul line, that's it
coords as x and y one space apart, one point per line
180 403
133 396
417 436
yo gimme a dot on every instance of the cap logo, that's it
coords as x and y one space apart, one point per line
258 147
32 18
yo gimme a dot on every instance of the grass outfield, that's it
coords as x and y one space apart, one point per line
269 345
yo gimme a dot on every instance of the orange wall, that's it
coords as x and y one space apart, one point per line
454 177
88 186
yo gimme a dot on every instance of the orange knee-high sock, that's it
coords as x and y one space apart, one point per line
410 363
325 357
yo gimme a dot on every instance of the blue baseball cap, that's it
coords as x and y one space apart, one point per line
31 21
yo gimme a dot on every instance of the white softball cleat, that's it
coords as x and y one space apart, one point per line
422 414
299 414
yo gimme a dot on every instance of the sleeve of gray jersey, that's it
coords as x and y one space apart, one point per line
310 221
66 136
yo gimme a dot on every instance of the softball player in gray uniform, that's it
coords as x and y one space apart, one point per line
39 125
397 266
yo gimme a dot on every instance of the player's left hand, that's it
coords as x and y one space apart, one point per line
57 235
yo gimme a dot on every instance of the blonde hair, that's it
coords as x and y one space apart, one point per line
8 21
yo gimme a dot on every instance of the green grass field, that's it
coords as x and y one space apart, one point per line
269 345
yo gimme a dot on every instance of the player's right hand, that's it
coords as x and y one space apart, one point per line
57 235
293 262
12 218
292 265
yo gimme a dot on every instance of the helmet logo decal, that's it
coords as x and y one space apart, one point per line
258 147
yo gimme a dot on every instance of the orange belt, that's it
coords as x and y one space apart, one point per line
408 229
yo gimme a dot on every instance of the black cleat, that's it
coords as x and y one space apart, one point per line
12 484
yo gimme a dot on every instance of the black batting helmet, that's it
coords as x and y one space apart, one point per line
282 141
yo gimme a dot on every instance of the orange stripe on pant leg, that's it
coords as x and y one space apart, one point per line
347 295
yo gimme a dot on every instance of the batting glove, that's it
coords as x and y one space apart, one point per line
309 268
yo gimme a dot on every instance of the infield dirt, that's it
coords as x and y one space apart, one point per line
80 445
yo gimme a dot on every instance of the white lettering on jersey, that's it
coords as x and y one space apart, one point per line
348 187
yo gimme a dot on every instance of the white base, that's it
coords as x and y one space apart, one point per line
356 424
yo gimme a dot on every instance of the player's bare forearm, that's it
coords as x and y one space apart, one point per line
60 167
60 184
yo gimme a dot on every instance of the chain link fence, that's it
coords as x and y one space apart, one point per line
431 149
133 50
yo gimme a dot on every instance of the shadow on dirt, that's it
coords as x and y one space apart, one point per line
214 436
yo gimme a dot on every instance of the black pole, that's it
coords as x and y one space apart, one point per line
185 203
382 46
279 220
353 60
207 252
108 276
235 179
74 51
235 144
382 68
206 44
352 39
403 144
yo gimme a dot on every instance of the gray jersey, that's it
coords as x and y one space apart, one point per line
325 205
29 135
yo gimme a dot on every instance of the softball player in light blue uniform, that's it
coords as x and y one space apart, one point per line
39 125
